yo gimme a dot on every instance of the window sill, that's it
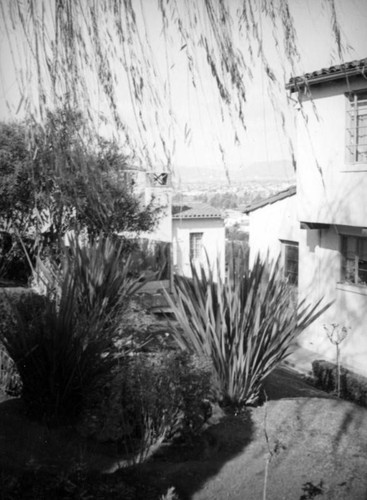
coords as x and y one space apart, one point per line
354 167
352 288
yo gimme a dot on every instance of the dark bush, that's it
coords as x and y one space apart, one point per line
152 397
353 387
30 304
14 264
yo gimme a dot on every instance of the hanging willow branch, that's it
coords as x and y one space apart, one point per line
105 57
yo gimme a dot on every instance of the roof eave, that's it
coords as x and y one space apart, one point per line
297 85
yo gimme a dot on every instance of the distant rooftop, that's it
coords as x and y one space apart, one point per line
195 211
332 73
291 191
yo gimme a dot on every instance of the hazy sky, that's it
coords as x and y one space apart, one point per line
198 128
264 140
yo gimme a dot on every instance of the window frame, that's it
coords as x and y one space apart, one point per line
356 101
344 259
195 253
286 244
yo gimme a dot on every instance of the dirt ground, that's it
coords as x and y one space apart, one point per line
315 446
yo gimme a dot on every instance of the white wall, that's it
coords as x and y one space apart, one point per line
162 198
270 224
329 189
213 241
319 277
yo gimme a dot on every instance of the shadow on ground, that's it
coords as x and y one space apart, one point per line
27 447
189 468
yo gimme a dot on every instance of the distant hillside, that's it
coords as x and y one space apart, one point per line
280 170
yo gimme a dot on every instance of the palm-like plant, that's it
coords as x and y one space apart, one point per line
245 324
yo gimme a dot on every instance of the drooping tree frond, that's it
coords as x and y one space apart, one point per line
122 61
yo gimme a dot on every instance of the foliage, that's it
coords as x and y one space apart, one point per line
151 397
352 387
64 343
75 483
245 325
237 257
234 233
60 177
152 257
9 378
14 264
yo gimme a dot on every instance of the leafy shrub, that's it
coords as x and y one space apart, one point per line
352 386
14 265
9 378
10 381
152 397
65 347
245 324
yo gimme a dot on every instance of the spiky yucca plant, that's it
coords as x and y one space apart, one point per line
245 324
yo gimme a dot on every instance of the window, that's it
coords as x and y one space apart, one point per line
357 129
196 246
290 261
354 253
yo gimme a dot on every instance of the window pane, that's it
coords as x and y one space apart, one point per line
356 137
350 269
196 246
354 250
362 272
291 262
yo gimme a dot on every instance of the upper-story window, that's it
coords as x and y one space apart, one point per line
354 253
357 128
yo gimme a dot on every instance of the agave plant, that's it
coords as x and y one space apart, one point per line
245 324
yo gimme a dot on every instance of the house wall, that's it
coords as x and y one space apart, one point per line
213 242
329 189
319 277
269 225
162 198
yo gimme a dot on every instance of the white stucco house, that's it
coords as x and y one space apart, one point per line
183 233
332 203
328 214
274 231
198 235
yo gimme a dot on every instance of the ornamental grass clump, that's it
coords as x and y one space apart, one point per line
246 324
64 346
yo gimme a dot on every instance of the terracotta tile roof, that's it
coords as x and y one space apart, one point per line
195 211
291 191
348 69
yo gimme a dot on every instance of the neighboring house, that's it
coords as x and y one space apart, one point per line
331 212
198 234
274 231
183 233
